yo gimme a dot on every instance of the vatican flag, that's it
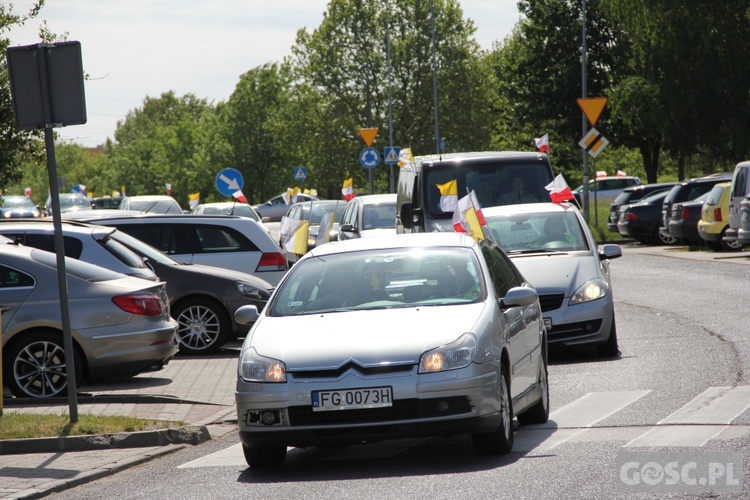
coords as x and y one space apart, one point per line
293 234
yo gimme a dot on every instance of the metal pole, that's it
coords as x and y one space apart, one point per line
583 115
434 78
390 98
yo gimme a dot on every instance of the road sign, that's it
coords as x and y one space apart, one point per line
391 155
229 181
368 135
369 157
592 107
593 142
300 173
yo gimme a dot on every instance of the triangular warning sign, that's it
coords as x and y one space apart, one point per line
592 107
368 135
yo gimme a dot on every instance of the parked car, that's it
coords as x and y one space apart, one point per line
202 299
227 208
111 202
151 204
89 243
642 220
369 215
553 247
630 195
739 190
275 208
715 219
683 223
743 233
120 324
69 202
18 206
687 191
313 211
449 340
605 189
228 241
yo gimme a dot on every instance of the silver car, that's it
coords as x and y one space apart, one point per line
555 250
425 334
120 324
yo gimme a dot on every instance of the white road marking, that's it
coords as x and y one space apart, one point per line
716 405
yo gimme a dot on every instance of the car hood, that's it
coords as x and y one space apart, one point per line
369 338
385 231
558 272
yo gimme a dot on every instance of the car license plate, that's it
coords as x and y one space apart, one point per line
352 399
548 323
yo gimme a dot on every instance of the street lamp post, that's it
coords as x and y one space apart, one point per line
434 78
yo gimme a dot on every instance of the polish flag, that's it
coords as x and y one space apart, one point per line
169 188
466 219
239 196
620 173
601 173
348 189
559 190
542 143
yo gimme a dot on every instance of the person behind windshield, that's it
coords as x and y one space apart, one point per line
517 194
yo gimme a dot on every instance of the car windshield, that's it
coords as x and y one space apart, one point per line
143 249
74 201
380 216
320 209
380 279
17 201
231 209
537 232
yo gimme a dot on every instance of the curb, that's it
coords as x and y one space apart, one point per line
163 437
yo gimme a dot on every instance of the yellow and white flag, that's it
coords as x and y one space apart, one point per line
466 219
293 234
448 195
194 199
324 230
406 159
348 189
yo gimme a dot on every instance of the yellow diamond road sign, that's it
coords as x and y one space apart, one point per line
592 107
593 142
368 135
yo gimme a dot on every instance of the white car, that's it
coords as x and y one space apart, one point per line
157 204
429 334
228 241
369 215
606 189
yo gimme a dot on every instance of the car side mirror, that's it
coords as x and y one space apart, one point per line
610 251
246 315
346 228
518 296
406 214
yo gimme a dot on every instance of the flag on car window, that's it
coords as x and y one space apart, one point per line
239 196
448 195
293 233
348 189
406 159
542 143
324 229
466 218
559 190
194 199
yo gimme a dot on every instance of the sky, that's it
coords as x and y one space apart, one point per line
133 49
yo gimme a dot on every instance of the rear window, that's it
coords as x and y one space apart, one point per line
715 196
12 278
77 268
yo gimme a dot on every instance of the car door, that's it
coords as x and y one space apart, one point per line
15 286
521 324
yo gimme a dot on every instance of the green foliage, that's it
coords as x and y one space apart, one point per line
16 425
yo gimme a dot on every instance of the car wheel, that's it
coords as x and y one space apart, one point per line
729 246
203 326
264 456
610 348
661 239
500 441
539 413
36 366
715 246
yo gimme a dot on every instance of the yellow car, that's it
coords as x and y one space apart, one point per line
715 219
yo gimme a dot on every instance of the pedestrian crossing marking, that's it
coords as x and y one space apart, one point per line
677 435
594 407
231 456
716 405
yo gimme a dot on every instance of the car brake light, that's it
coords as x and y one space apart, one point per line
272 262
145 304
717 214
631 216
684 213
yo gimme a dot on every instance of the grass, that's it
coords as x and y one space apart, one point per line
598 217
32 425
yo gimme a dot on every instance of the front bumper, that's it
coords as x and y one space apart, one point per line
579 325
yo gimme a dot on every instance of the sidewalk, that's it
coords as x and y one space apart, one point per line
198 391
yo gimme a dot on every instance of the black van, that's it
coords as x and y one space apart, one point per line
495 177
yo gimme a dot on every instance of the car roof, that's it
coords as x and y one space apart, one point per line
410 240
529 208
374 199
707 178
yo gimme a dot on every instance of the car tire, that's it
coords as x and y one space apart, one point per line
203 326
35 365
539 413
610 348
500 441
715 246
661 239
264 456
729 246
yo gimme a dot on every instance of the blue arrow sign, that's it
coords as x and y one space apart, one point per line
369 158
228 181
391 155
300 173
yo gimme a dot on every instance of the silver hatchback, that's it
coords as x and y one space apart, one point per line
402 336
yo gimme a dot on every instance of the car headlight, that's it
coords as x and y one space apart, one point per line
256 368
452 356
251 291
311 242
591 290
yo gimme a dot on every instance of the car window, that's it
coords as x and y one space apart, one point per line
46 242
168 239
382 216
123 254
714 196
497 273
219 239
525 232
13 278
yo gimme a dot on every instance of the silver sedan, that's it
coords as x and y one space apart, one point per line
401 336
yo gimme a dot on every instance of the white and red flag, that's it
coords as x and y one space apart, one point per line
601 173
239 196
467 218
542 143
348 189
620 173
169 189
559 190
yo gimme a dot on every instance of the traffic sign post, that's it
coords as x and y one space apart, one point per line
390 155
229 181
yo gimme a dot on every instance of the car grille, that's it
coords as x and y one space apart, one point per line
572 330
367 371
403 409
550 302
